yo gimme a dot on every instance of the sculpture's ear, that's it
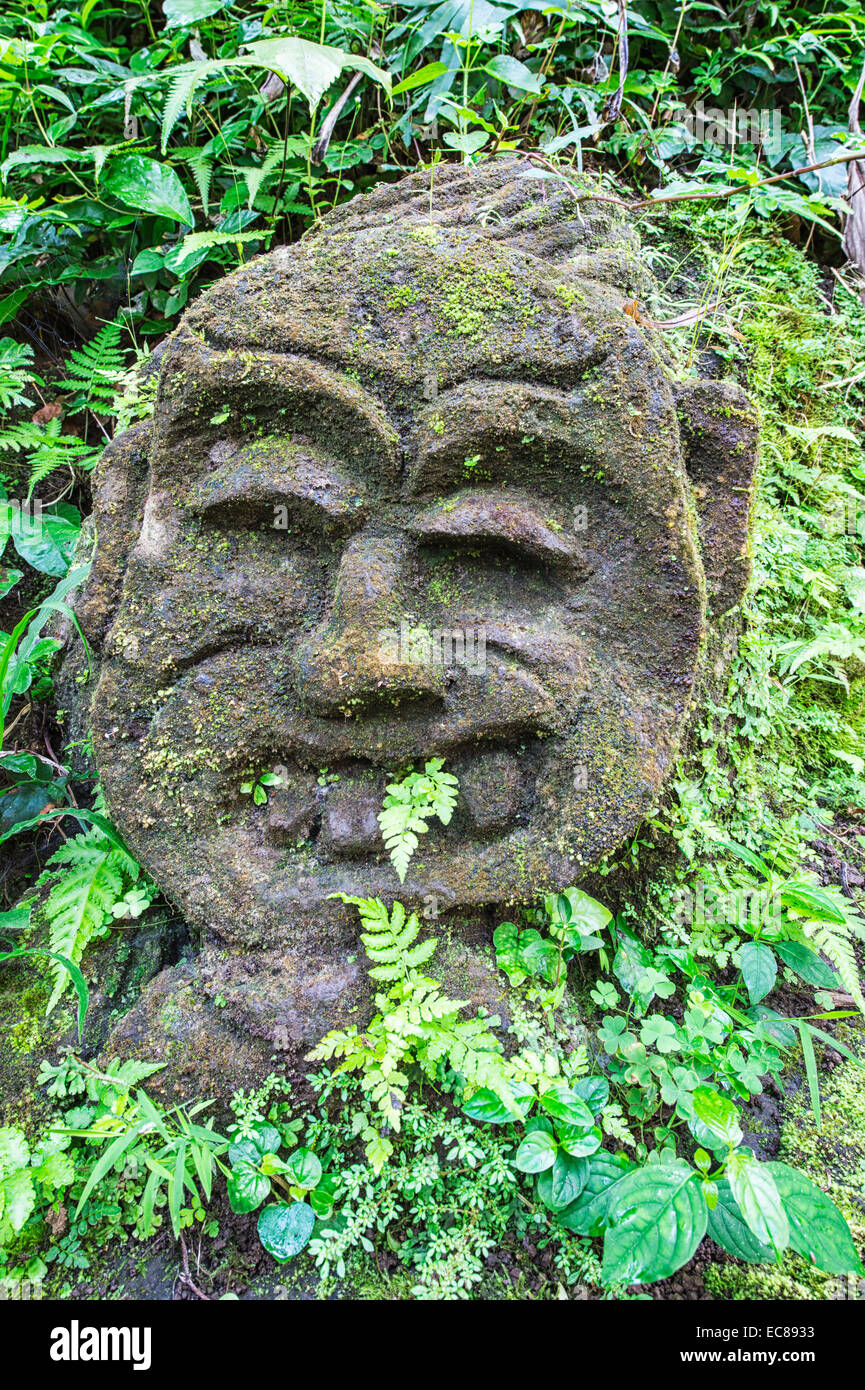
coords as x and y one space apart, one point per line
720 434
120 484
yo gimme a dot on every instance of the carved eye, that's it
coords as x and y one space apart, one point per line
281 485
495 522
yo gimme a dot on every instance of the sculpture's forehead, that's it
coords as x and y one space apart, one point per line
398 304
407 339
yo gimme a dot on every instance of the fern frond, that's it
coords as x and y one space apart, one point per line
180 93
56 450
409 804
95 875
95 369
835 943
201 165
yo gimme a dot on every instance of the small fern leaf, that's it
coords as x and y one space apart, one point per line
94 875
180 94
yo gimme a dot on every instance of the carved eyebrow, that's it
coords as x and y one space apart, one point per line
504 422
511 520
275 472
291 392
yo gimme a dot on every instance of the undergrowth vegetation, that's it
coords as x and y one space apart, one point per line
609 1127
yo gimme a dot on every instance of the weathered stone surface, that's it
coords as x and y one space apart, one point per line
431 417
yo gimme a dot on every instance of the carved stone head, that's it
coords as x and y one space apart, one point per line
414 487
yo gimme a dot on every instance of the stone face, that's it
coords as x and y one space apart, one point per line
417 487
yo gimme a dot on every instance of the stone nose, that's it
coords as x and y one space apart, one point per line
353 663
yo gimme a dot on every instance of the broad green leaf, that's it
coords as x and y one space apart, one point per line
577 1141
51 545
562 1184
312 67
428 73
190 12
658 1216
811 902
718 1114
514 73
147 262
729 1229
631 962
561 1103
757 1197
247 1188
585 912
807 964
588 1215
148 186
322 1195
16 919
537 1152
303 1168
264 1139
523 951
490 1109
594 1090
818 1231
468 143
759 969
285 1229
748 857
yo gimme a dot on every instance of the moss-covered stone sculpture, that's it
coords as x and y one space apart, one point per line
429 417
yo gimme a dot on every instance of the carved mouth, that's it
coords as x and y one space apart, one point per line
336 808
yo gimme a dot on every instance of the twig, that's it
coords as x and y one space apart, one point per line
669 63
186 1277
319 149
703 195
613 108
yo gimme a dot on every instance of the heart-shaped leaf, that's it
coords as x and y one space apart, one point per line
658 1216
537 1152
303 1168
247 1188
285 1229
759 968
264 1139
